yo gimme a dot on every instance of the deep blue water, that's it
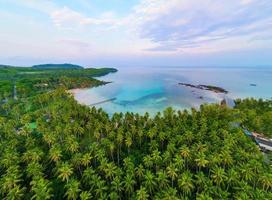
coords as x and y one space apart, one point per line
149 89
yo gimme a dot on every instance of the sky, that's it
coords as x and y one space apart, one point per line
136 32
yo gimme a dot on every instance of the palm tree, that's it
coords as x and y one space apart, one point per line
162 180
170 194
71 144
200 181
128 143
55 153
156 157
142 194
87 175
34 169
85 195
232 178
179 162
148 161
86 159
41 189
16 193
266 181
140 171
226 158
185 153
149 181
65 171
10 179
112 148
201 161
185 183
172 173
203 196
72 189
117 185
34 155
129 183
119 139
140 135
49 138
218 175
101 189
110 170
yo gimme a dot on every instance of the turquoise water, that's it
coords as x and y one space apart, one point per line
152 89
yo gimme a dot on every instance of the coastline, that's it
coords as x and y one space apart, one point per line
74 91
78 89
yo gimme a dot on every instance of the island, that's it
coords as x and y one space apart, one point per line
206 87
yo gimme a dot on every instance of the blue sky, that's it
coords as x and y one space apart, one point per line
137 32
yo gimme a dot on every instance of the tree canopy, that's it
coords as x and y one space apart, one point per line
51 147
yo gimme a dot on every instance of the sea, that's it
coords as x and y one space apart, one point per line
153 89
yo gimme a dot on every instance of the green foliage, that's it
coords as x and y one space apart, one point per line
77 152
53 148
57 66
28 81
256 115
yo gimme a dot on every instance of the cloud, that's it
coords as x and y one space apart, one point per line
190 24
151 28
68 18
180 25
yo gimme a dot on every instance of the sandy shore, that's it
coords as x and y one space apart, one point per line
74 91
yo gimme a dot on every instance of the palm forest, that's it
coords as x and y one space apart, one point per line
51 147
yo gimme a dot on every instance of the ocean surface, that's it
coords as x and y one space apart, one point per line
150 89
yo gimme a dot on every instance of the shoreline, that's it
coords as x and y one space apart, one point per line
75 90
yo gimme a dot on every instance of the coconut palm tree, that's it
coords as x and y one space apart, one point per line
86 159
34 169
72 189
172 173
185 183
85 195
185 153
218 175
64 171
55 153
201 161
140 171
266 181
142 194
117 185
162 179
149 181
41 189
110 170
148 161
101 189
129 183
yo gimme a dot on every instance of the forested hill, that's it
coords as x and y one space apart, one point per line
57 66
32 81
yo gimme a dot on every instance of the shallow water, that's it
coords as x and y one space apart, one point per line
154 89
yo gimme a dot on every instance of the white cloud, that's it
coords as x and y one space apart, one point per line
190 25
68 18
156 27
244 2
